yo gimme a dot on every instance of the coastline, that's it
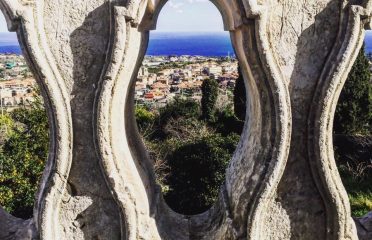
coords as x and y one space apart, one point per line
207 44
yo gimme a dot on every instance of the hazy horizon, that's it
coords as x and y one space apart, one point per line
177 19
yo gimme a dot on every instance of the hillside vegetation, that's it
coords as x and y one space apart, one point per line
191 145
353 136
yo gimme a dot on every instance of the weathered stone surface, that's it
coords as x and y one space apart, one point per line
364 226
12 228
99 183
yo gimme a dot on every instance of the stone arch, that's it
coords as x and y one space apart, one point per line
58 164
255 201
264 137
27 19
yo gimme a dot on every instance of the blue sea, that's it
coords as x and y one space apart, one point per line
175 43
9 43
203 44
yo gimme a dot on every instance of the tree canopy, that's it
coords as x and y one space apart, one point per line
354 109
22 158
209 98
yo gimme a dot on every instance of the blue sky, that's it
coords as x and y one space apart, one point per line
3 27
180 16
189 16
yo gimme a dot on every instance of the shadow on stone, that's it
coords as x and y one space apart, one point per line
298 193
98 215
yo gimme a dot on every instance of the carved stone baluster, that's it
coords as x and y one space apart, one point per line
314 43
99 183
66 43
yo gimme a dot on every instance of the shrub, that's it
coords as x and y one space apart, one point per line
197 169
145 120
354 117
209 98
240 97
185 108
226 122
22 159
189 156
179 108
354 109
361 203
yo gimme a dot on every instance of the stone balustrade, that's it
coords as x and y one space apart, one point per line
99 183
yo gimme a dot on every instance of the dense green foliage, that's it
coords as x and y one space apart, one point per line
190 154
209 98
186 108
361 202
197 170
190 145
353 117
357 179
145 120
359 190
226 122
195 147
22 158
354 109
240 97
353 156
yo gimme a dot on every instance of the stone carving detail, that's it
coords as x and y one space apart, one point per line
99 183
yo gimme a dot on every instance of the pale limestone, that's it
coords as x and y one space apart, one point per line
99 183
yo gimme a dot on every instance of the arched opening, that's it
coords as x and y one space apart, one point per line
353 132
190 104
23 127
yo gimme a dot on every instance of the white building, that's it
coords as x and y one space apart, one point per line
214 70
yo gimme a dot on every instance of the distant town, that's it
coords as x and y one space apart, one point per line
160 79
17 84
